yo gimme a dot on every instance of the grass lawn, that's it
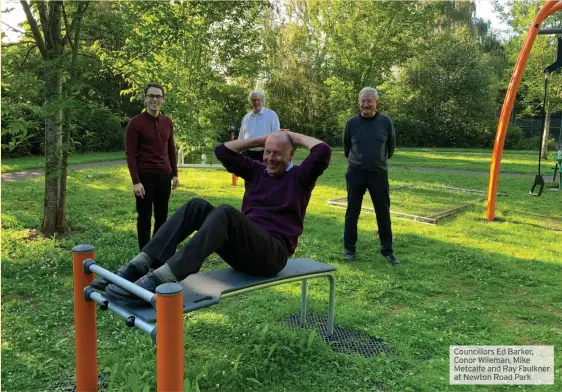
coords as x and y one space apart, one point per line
38 162
464 281
446 158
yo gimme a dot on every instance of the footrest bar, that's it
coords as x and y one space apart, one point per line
124 283
118 310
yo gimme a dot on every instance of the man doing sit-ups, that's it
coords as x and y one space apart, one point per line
257 241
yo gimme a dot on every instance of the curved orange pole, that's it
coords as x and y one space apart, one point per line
547 9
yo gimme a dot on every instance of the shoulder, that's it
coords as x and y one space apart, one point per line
269 112
353 120
166 119
384 118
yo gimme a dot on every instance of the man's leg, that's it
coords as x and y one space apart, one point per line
355 190
144 208
241 243
161 200
380 196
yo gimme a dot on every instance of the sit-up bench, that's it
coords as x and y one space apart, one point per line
166 308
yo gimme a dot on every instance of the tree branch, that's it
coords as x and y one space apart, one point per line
67 28
35 29
22 63
44 18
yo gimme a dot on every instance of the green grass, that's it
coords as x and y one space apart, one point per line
524 162
446 158
38 162
464 281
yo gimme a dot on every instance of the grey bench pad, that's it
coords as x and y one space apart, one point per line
205 288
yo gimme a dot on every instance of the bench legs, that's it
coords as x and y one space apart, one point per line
331 304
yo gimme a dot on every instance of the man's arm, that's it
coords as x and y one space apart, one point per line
245 144
303 140
391 141
172 157
275 126
346 141
243 130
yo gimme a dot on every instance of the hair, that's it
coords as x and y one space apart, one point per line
290 143
155 85
259 93
369 90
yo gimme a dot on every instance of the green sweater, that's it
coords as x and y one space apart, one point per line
369 142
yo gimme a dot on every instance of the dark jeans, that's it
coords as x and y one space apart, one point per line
358 181
255 155
157 189
240 242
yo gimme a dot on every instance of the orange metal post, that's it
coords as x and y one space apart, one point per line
547 9
169 337
234 177
84 323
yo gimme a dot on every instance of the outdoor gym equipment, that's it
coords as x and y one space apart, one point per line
549 8
165 309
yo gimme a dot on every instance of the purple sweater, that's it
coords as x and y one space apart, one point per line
277 204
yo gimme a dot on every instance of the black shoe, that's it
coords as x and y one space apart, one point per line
148 282
392 260
128 271
349 256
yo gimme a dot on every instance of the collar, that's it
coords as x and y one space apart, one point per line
148 115
258 113
286 170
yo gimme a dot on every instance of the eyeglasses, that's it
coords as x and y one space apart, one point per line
157 97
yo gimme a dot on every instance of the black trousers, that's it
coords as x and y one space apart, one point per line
240 242
157 188
358 181
255 155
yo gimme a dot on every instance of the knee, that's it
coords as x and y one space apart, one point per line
199 203
226 209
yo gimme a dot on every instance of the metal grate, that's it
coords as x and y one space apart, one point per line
342 340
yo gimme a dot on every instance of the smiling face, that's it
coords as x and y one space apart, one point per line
256 102
367 104
278 153
153 100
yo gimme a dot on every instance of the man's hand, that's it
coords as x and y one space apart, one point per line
302 140
245 144
175 182
139 190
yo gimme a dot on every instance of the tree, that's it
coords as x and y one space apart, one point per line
50 41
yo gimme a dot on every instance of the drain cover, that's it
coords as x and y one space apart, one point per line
342 340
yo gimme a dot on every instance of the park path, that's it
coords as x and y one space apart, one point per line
34 173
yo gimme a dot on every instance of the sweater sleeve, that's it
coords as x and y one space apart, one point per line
391 141
346 140
172 151
132 150
236 163
314 164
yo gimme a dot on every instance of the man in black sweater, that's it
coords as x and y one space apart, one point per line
369 140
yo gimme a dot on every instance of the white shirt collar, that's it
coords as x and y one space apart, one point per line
260 112
286 170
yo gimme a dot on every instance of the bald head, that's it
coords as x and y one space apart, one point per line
280 139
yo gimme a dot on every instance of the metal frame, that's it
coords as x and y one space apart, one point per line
168 302
430 219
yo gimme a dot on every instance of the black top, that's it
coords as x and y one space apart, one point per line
368 142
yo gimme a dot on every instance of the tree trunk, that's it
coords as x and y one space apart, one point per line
53 153
54 207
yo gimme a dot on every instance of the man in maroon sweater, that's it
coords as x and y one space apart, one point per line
258 240
151 157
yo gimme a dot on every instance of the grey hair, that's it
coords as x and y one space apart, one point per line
369 90
259 93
